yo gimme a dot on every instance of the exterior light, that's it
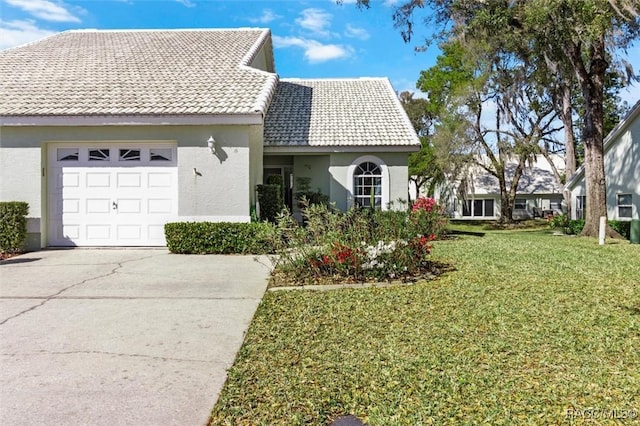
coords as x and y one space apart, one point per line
211 144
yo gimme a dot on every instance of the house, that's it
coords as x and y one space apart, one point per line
108 135
622 172
538 193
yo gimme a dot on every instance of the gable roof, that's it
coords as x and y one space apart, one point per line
331 113
609 141
137 73
537 178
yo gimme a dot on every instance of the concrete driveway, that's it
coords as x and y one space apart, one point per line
121 337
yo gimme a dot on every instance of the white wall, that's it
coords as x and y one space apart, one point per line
221 190
622 170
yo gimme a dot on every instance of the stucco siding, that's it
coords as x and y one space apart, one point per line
398 177
210 187
256 158
315 167
21 181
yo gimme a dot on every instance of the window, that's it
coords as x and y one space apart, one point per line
367 185
581 205
488 208
478 208
101 154
67 154
625 208
520 204
160 154
129 155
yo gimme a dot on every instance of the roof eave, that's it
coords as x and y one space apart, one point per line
306 149
131 120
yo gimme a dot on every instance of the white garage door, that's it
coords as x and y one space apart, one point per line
111 194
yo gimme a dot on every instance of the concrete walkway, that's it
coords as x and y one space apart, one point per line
121 337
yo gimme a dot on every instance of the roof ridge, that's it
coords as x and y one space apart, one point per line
334 79
264 99
134 30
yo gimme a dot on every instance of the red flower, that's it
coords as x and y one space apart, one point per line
423 203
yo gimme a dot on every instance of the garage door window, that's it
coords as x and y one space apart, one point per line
101 154
67 154
129 155
161 154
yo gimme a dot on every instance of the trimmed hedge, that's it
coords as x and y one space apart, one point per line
13 226
219 237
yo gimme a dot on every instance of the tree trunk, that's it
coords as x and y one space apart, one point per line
569 144
506 203
593 92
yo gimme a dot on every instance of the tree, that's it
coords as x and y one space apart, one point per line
425 170
579 36
460 85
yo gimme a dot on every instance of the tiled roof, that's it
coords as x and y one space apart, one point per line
537 178
337 112
136 72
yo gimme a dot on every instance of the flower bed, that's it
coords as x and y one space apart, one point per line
360 245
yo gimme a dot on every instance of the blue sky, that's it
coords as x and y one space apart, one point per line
312 39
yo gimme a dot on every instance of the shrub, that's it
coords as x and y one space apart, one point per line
574 227
358 245
270 199
622 228
219 237
13 226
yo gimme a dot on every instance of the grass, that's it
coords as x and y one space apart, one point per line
528 326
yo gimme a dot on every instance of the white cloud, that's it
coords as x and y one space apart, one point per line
354 32
267 16
314 51
45 10
390 3
315 20
17 33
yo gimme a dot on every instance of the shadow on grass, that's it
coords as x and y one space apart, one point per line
634 310
471 233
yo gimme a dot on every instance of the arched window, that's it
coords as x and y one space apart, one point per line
367 185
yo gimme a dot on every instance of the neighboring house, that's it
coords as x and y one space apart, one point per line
622 172
538 193
108 135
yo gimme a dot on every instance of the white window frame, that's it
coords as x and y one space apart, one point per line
581 207
626 206
351 199
472 210
521 201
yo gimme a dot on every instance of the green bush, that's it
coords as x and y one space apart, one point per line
574 227
622 228
219 237
13 226
271 203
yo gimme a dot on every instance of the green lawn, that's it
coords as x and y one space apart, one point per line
528 326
